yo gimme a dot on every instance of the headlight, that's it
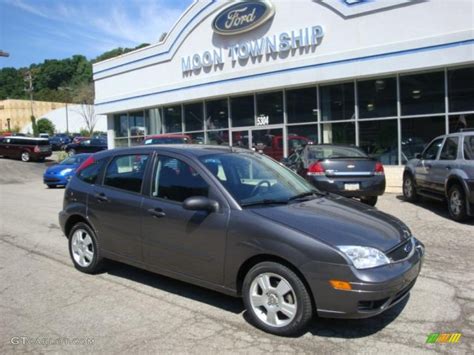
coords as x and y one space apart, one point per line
364 257
66 171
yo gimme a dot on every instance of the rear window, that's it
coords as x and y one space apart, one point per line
333 152
469 148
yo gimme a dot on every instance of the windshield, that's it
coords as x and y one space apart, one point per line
332 152
254 178
76 159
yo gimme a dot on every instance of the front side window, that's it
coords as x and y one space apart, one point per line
468 148
176 180
254 178
431 152
126 172
450 149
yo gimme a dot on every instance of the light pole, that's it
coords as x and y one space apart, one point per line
66 88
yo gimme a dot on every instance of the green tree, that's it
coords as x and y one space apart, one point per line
45 126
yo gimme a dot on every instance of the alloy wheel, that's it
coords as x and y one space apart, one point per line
455 202
82 248
25 156
408 187
273 300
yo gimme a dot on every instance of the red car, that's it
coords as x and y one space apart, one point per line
168 139
25 148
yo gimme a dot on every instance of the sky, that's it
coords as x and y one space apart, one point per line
35 30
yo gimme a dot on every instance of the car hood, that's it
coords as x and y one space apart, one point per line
56 169
337 220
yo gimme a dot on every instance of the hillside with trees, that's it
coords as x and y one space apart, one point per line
58 80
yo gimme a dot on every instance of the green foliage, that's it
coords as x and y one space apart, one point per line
84 132
45 126
65 80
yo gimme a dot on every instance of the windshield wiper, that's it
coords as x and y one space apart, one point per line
307 194
264 202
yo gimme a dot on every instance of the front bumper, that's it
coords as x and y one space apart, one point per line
373 290
55 179
369 185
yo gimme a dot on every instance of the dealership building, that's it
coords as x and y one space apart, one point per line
385 75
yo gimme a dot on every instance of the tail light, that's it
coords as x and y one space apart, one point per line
316 169
36 149
88 162
379 169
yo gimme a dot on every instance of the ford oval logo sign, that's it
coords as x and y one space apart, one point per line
243 16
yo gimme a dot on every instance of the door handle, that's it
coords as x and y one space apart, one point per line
157 212
101 197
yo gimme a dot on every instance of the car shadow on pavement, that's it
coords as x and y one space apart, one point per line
437 207
356 328
180 288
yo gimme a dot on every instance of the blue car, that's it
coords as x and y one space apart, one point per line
60 174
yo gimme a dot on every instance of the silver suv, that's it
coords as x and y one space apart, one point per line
445 172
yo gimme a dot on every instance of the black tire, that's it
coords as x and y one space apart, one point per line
370 200
97 262
304 308
25 156
52 186
457 203
409 188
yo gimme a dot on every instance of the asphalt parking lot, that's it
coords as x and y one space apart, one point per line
48 306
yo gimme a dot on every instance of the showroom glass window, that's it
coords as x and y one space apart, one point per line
193 117
422 93
338 133
302 105
218 137
217 114
379 139
121 125
242 111
271 105
418 132
173 119
136 122
337 102
300 136
377 98
460 122
461 89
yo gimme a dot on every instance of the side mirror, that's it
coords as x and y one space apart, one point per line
418 156
200 203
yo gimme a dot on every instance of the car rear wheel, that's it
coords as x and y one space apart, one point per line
409 188
457 203
371 200
276 299
84 249
25 156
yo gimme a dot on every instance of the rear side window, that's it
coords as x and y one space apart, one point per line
469 147
450 149
126 172
91 173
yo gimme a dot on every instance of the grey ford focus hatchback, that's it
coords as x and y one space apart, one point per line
238 222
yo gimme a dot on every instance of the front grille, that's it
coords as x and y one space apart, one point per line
402 251
51 180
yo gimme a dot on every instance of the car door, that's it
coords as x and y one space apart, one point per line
180 241
425 163
114 207
442 166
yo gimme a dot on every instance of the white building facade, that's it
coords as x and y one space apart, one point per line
385 75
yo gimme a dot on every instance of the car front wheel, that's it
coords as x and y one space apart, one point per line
371 200
409 188
276 299
457 203
84 249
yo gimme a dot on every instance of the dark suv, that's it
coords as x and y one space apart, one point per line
240 223
444 171
25 148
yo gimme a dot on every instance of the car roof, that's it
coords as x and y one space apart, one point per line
190 150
